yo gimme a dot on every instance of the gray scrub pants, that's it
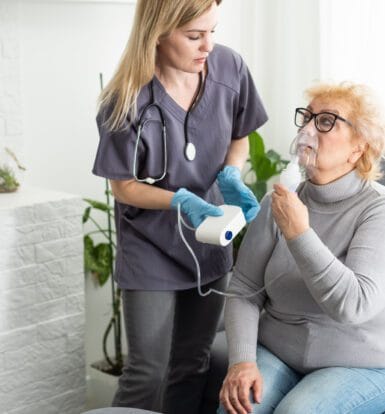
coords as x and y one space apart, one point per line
169 335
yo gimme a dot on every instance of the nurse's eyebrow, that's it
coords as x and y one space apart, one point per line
199 30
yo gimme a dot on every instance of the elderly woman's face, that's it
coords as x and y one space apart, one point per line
338 149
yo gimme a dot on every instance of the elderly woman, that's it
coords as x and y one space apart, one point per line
313 339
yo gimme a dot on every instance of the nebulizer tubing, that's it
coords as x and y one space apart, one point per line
198 269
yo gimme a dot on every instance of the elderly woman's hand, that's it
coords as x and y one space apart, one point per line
290 214
240 379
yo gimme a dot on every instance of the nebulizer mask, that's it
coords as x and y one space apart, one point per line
303 152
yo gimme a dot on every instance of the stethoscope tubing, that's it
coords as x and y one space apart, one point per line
150 180
189 150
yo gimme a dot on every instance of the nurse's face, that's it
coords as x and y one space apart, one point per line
186 48
339 149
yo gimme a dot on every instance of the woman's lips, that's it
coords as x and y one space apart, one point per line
200 60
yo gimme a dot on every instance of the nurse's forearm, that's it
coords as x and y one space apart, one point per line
238 152
141 195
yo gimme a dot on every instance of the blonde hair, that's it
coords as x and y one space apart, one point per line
153 19
366 117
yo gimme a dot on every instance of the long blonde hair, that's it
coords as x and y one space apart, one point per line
365 113
153 19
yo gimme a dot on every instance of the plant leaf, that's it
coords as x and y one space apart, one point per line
273 156
256 150
104 260
264 164
259 188
265 169
257 147
98 259
86 214
88 253
98 205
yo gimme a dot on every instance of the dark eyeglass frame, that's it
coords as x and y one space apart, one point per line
315 116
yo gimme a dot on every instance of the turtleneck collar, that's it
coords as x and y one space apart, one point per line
338 190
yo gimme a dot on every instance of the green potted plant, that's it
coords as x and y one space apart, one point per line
264 164
8 182
99 261
8 165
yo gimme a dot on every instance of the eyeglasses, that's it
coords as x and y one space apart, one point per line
324 121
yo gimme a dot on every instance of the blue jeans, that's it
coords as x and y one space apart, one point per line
335 390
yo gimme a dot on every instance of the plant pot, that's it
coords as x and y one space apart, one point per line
10 169
104 366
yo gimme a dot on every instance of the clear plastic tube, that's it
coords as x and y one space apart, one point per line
198 269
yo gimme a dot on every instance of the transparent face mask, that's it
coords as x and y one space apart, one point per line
305 148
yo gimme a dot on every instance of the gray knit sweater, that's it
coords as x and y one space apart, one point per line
324 303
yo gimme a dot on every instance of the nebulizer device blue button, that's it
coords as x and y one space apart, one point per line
229 235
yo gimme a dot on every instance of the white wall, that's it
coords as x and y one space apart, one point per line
286 60
64 46
352 42
11 123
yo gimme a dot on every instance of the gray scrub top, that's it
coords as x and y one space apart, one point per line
150 253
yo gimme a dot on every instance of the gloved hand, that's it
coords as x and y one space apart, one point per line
236 193
194 207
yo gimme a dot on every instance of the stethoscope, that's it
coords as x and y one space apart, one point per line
189 149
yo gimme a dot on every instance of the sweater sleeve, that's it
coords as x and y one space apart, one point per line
352 292
242 314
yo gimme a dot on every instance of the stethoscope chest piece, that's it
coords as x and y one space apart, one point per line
190 151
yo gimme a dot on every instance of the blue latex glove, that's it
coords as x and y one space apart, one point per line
194 207
236 193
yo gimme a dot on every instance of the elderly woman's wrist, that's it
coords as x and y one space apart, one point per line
292 234
242 364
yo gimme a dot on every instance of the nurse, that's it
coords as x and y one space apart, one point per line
173 124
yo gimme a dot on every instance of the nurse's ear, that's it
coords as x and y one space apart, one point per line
357 152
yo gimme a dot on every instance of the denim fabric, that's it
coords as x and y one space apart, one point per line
334 390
